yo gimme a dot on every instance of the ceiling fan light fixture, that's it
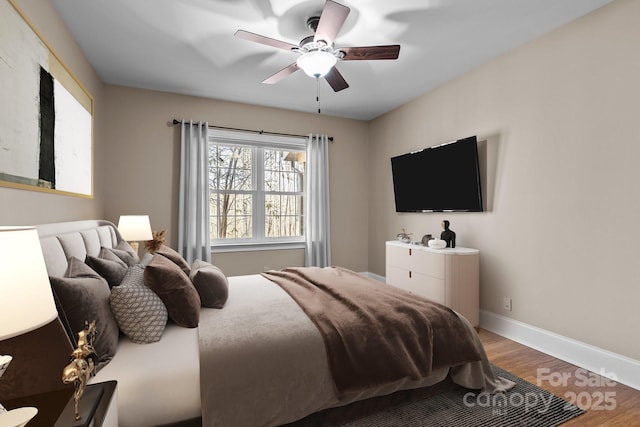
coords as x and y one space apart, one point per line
316 63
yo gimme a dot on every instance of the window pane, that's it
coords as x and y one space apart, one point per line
283 216
230 167
283 170
230 216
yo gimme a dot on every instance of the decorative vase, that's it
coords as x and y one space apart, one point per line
437 243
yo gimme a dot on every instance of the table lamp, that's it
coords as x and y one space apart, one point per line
26 300
135 228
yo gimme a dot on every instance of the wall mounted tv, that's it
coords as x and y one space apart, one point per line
443 178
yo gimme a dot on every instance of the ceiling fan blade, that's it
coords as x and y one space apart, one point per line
331 20
335 80
264 40
281 74
370 52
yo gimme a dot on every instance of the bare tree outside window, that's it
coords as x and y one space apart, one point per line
256 192
231 185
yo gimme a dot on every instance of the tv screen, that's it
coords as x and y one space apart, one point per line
438 179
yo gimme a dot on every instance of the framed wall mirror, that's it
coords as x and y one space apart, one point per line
46 114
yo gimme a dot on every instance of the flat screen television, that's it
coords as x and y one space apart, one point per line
443 178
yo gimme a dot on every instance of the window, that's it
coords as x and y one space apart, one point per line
256 189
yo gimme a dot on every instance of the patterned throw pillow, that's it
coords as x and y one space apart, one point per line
139 312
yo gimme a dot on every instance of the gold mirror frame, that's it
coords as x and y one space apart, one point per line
46 114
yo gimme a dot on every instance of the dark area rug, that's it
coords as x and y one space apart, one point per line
450 405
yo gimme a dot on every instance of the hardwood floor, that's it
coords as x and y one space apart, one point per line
607 403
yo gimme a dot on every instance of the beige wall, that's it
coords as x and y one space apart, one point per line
143 160
18 207
560 120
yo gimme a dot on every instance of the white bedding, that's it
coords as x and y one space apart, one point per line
158 383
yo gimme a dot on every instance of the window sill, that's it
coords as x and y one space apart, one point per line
250 247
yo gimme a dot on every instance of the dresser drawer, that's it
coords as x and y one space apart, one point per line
427 287
416 260
428 263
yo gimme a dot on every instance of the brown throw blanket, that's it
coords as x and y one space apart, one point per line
375 333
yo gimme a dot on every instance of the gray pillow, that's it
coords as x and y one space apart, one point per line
210 282
175 290
139 312
84 296
108 265
125 252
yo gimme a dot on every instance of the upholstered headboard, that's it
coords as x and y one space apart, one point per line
63 240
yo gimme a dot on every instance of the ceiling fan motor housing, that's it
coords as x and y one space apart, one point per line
312 23
308 44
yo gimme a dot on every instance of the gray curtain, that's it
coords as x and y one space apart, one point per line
194 241
317 227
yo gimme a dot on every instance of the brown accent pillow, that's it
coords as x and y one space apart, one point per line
174 256
108 265
84 296
175 290
210 282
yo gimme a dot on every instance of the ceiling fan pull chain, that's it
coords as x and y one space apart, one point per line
318 93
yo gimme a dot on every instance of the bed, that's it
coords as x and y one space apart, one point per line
259 360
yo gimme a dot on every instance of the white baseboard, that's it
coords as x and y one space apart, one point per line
618 367
374 276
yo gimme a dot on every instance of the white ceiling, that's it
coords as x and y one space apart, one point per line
188 46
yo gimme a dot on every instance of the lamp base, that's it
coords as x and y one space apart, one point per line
134 245
4 363
17 417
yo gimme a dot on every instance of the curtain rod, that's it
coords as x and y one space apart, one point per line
261 132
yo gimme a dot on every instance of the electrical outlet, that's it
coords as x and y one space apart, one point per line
506 303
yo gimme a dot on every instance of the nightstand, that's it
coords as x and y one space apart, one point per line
98 407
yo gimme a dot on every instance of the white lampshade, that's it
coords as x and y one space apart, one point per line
135 228
26 300
316 63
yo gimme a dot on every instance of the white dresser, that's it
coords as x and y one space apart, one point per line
448 276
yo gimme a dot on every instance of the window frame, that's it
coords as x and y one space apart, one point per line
263 141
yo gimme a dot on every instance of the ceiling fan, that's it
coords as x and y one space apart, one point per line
318 54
